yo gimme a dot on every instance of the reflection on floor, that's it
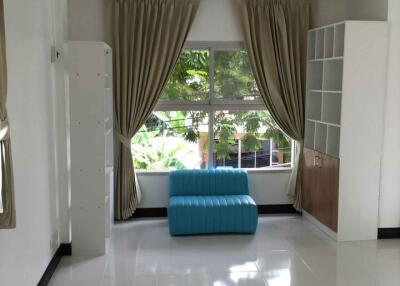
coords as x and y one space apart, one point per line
286 251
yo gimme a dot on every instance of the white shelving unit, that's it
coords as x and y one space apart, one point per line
91 150
324 84
109 140
346 82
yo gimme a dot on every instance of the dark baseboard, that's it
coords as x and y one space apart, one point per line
262 209
63 250
388 233
150 212
276 209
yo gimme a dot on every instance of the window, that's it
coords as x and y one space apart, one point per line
172 140
233 76
245 139
211 91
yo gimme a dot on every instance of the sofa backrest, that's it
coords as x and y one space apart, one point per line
208 182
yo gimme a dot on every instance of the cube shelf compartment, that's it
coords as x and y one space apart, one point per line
309 134
311 45
333 75
328 42
319 44
339 41
331 108
313 105
315 73
333 141
320 137
324 83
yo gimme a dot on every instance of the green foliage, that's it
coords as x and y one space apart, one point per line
150 154
189 80
191 135
225 132
233 75
251 143
222 149
252 124
278 136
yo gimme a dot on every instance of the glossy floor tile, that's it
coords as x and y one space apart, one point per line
285 251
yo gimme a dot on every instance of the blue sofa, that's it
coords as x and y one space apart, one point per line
210 201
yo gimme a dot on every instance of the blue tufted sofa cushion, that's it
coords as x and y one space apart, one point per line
210 201
208 182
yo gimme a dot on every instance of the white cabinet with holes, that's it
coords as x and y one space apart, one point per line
91 145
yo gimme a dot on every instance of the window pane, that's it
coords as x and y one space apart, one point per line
190 78
233 76
172 140
249 139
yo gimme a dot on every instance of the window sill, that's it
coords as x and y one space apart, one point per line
249 171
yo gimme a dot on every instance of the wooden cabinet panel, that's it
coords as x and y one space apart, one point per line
321 187
328 191
310 180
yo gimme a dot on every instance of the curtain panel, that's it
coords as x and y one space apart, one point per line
7 216
147 37
275 33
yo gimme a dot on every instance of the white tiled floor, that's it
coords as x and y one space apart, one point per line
286 251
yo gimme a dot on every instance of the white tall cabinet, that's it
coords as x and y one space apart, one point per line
346 84
91 145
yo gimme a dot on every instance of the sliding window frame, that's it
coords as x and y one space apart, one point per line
212 104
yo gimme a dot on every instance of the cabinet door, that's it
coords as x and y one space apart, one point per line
328 191
310 181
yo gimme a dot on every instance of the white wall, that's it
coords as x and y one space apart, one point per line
216 20
390 177
324 12
86 20
373 10
265 187
26 251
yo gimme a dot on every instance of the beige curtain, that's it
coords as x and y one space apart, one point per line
275 33
7 216
147 37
